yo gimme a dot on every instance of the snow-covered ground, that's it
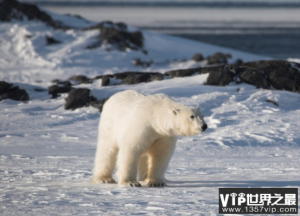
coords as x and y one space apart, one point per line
47 152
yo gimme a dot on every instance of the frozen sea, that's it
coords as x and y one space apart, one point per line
270 28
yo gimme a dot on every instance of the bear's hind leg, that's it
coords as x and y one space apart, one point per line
143 167
159 157
105 162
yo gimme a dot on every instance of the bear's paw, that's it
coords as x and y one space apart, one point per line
134 184
155 183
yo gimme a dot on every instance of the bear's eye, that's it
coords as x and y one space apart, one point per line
192 117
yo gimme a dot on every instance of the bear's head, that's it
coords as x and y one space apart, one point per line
187 121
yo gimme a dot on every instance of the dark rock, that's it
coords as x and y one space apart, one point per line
272 102
123 75
281 75
105 80
39 89
121 38
18 94
8 91
59 88
183 72
136 78
4 86
98 26
122 25
255 77
139 62
51 41
219 75
136 38
12 9
98 77
78 17
80 79
55 81
94 45
239 62
78 98
218 58
98 104
157 76
131 77
117 35
197 57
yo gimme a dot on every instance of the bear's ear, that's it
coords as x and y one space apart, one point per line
199 111
198 108
175 111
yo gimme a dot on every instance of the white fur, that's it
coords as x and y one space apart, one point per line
138 133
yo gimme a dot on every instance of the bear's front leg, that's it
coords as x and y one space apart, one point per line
159 157
127 167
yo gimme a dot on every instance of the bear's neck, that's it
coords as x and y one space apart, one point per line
162 119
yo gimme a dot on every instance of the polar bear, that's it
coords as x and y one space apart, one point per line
137 133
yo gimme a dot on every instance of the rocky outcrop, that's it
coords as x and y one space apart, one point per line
105 80
280 75
219 75
51 40
9 91
14 10
77 98
139 62
79 79
183 72
117 36
81 97
197 57
215 59
59 88
218 58
130 78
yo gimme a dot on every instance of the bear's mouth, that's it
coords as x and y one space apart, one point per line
199 130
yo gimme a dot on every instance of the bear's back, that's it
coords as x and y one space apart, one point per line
130 101
123 100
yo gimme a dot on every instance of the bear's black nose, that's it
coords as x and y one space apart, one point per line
204 127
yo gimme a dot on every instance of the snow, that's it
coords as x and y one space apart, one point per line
294 60
47 152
